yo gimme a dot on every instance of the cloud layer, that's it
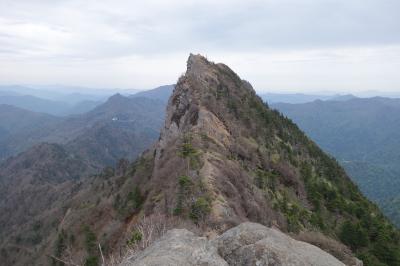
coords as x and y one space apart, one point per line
298 45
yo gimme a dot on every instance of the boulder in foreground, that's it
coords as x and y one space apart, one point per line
246 244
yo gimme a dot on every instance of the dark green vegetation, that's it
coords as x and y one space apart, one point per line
196 208
363 134
338 207
91 247
59 247
131 203
135 238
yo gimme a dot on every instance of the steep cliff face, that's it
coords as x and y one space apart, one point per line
205 141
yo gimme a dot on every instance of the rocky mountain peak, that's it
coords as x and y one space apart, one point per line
197 63
231 134
201 97
224 157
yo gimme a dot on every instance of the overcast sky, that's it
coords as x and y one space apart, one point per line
297 45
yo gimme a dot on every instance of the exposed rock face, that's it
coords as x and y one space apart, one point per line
255 244
246 244
202 109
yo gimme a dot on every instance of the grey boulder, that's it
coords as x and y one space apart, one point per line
246 244
178 247
255 244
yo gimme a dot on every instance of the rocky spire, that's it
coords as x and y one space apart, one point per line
224 157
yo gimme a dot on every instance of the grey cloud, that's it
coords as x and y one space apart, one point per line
233 25
76 35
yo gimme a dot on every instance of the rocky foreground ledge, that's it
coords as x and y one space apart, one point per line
246 244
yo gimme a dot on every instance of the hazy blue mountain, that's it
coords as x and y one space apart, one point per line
76 98
14 120
8 93
36 104
67 94
120 127
76 94
161 93
364 135
380 93
58 108
83 107
344 97
301 98
26 90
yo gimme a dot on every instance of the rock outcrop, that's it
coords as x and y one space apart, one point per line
178 247
246 244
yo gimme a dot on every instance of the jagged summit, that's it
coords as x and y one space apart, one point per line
196 61
222 119
203 83
198 64
201 99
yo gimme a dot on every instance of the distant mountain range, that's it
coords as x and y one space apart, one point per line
69 94
26 120
161 93
301 98
56 100
364 135
118 124
67 100
54 103
40 105
46 159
